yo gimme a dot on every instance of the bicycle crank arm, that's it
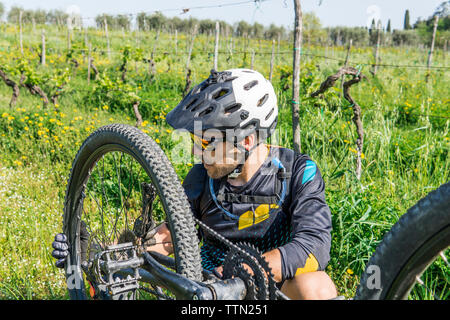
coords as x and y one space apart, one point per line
122 275
186 289
180 286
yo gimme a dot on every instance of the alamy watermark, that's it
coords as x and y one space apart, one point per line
373 281
221 145
373 14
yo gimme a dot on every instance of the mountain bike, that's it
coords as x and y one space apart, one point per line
122 187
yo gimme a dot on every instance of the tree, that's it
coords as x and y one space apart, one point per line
243 28
372 26
405 38
13 14
100 21
40 16
206 26
123 21
2 10
424 28
443 10
257 30
57 17
340 35
406 23
388 28
312 28
273 31
156 21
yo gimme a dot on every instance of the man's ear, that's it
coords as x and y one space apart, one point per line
249 142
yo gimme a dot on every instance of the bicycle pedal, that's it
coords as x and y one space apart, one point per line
123 285
118 268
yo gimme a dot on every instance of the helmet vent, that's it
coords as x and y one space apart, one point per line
250 126
206 111
220 94
250 85
190 104
270 113
233 108
262 100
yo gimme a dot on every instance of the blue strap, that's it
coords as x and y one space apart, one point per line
213 195
277 164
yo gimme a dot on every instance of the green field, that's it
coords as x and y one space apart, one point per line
405 119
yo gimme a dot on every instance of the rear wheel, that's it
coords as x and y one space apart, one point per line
412 260
121 187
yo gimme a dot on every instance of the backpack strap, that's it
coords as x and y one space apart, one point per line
242 198
287 158
197 183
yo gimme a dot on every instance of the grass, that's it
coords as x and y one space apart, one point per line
406 144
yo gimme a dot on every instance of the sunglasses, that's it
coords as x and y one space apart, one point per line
203 144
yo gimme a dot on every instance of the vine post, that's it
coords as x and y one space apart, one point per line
191 46
107 37
89 63
347 57
176 42
377 48
272 60
20 32
430 53
216 45
253 59
43 48
296 76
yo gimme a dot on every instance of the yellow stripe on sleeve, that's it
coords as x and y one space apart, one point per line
311 265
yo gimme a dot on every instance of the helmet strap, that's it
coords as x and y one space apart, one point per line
238 170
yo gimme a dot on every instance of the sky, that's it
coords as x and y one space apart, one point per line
280 12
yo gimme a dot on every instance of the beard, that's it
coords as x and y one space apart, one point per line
219 171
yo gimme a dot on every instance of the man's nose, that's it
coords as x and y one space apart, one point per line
196 151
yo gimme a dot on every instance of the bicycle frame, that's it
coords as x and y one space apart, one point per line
147 268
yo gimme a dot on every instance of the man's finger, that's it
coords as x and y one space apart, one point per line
62 246
59 254
60 237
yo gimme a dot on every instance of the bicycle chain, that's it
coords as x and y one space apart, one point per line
260 284
270 283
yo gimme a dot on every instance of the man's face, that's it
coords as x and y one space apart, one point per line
220 157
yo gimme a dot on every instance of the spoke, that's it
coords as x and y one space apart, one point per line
426 287
444 258
100 207
103 188
117 214
123 209
129 193
157 292
87 222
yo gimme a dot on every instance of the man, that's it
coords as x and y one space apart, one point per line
251 192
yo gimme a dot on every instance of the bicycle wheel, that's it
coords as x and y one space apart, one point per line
411 261
107 203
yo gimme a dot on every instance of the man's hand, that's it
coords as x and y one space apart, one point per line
218 272
61 250
272 257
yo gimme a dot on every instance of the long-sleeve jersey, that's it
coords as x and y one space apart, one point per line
300 228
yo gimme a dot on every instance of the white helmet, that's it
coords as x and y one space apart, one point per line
239 99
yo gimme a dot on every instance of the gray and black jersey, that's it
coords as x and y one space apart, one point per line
299 227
